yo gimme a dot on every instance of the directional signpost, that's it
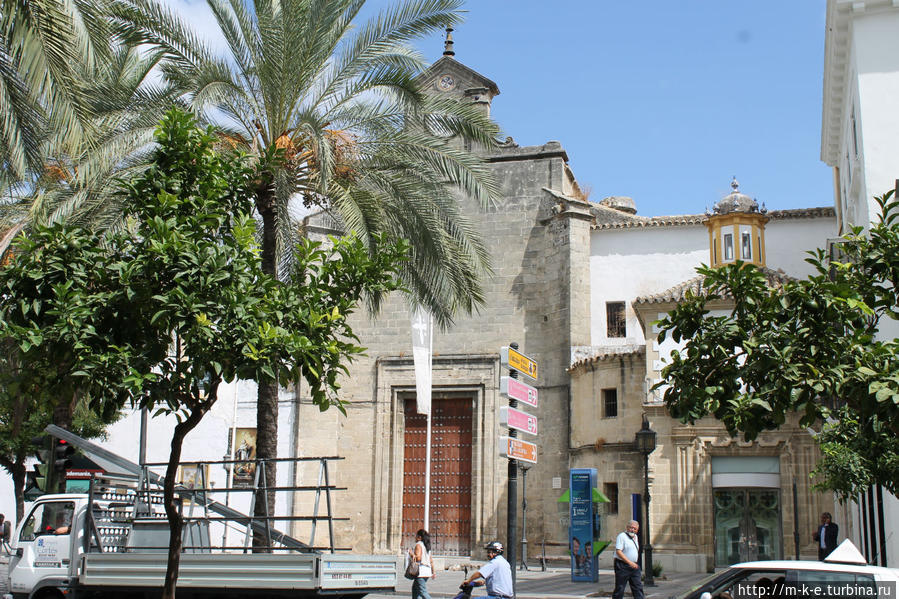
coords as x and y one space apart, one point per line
516 449
510 446
520 421
514 359
515 389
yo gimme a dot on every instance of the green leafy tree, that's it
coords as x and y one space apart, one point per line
193 269
809 347
179 302
42 374
358 136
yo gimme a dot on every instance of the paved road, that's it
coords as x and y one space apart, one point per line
555 583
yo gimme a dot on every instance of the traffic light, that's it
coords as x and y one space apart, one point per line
35 482
41 445
62 461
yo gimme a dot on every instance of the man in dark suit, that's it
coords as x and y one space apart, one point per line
826 536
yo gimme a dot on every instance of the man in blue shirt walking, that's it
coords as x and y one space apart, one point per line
627 551
497 573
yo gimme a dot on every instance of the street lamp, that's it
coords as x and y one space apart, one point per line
645 443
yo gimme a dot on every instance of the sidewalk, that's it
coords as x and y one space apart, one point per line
555 583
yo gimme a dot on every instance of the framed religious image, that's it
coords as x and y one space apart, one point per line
193 476
244 456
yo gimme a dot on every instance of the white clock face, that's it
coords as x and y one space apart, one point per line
446 82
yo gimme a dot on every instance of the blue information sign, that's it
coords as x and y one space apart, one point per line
584 559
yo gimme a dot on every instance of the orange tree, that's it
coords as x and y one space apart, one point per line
184 304
812 346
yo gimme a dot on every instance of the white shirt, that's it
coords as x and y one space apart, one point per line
628 546
424 567
498 576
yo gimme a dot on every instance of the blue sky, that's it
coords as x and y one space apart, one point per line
658 100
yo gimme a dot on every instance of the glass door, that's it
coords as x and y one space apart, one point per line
747 525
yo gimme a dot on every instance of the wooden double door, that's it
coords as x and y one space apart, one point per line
451 483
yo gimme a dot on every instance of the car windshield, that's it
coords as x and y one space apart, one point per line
705 581
739 583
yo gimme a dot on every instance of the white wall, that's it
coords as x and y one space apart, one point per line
629 263
789 241
875 47
871 90
207 442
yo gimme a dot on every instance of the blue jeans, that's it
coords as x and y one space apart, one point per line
420 588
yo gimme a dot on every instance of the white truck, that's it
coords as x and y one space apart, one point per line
112 542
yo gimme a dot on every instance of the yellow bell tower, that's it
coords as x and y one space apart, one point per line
736 229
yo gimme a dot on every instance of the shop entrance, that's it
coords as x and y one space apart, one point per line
747 525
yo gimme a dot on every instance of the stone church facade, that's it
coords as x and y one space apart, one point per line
550 292
538 237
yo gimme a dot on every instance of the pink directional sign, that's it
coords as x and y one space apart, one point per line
514 389
518 420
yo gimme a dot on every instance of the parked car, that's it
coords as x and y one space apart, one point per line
844 575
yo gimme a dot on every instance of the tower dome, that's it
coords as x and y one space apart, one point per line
736 229
736 201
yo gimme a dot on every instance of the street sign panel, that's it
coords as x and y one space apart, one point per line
516 449
521 421
515 389
519 361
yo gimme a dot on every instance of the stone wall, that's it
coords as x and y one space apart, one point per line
539 241
680 469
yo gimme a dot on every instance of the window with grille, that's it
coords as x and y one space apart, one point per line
610 490
615 323
610 403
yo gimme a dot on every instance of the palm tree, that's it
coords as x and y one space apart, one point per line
338 122
79 180
43 46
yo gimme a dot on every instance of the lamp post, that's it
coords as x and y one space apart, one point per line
645 443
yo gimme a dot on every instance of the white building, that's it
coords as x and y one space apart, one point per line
716 500
860 140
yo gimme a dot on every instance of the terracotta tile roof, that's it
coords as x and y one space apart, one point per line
600 354
678 293
609 218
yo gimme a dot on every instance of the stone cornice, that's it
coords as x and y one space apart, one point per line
836 68
551 149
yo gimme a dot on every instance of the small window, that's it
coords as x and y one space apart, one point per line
615 323
746 245
610 403
610 490
728 247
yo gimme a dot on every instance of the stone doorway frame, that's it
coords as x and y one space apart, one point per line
476 375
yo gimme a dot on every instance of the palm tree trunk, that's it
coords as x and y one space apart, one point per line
267 394
173 514
266 448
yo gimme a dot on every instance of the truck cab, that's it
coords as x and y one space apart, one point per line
47 544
